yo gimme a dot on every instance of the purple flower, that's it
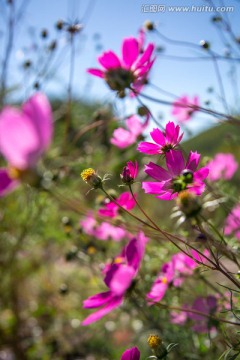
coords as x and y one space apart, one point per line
207 305
179 176
222 166
129 172
129 71
184 108
131 354
232 222
118 278
123 138
164 141
24 136
111 209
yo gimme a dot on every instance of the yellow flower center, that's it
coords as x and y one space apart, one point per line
154 341
87 174
118 260
15 173
164 280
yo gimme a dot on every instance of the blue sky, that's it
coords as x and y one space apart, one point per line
115 19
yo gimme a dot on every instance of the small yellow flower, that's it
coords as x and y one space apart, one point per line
154 341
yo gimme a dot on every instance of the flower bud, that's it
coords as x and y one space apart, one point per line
188 203
149 25
129 173
90 177
157 346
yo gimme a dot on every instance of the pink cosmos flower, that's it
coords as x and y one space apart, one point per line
123 138
174 273
24 136
103 231
184 108
111 209
131 354
232 222
129 172
129 71
164 141
118 278
222 166
179 176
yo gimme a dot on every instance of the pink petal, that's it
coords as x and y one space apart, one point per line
157 172
158 137
109 60
96 72
148 148
131 354
193 160
130 51
38 109
6 183
145 56
19 141
175 162
121 279
97 300
152 187
115 302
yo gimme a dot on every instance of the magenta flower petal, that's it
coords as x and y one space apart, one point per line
96 72
135 250
97 300
175 162
122 138
172 133
131 354
121 279
193 160
134 125
126 200
115 302
167 195
130 51
157 172
153 187
222 166
20 146
24 136
148 148
157 292
6 183
38 109
109 60
145 56
201 174
158 137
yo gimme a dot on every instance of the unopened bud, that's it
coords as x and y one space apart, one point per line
205 44
149 25
188 203
157 346
90 177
